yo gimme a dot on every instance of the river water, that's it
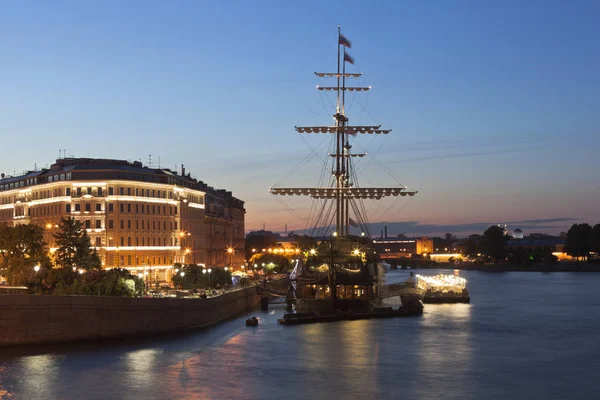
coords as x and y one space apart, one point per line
525 336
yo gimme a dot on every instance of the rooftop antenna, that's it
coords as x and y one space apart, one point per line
150 160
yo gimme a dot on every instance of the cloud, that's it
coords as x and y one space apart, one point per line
545 221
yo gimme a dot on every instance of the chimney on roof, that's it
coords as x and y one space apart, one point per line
182 170
385 231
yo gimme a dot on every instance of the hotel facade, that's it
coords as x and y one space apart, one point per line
139 218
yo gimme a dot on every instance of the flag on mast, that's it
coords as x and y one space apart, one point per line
348 58
352 223
344 41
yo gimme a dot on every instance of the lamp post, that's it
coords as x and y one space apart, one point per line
209 271
141 276
182 274
230 251
36 269
146 281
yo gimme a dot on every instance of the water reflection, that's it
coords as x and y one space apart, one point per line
445 350
5 394
358 358
38 377
140 366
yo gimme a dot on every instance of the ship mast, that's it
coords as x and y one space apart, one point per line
343 191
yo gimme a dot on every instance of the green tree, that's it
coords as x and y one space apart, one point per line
273 262
74 246
579 241
519 256
305 242
21 248
197 277
494 243
471 249
257 242
113 282
596 239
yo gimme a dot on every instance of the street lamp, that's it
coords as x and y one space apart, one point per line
36 268
141 276
230 251
209 271
182 274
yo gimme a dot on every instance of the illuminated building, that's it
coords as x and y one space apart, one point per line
393 248
137 217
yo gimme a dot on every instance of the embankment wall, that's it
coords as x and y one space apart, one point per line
30 319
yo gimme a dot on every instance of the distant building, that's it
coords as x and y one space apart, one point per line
518 234
554 243
403 247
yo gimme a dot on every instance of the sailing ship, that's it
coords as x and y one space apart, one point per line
341 272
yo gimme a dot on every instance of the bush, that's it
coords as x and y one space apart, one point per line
114 282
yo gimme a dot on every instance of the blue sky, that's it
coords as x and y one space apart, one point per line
493 105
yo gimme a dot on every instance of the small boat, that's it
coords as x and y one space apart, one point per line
252 321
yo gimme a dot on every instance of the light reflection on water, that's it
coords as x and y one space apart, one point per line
446 354
524 336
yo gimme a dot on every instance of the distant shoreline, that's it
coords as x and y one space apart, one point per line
558 267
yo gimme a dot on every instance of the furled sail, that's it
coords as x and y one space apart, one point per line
352 130
336 75
350 89
347 192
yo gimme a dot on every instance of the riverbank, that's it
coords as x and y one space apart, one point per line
32 319
558 267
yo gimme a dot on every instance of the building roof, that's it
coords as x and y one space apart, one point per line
129 169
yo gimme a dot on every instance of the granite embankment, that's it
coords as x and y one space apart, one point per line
30 319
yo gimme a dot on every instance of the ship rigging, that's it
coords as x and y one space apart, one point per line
344 190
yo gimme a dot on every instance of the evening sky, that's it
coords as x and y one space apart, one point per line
493 104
